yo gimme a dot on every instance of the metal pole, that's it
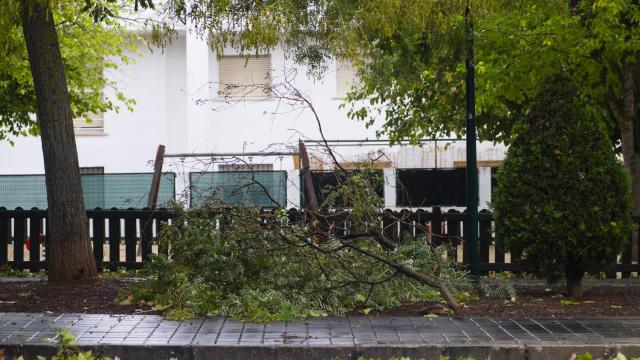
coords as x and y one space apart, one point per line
232 154
472 170
376 141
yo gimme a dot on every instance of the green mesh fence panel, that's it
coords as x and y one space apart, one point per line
240 188
100 190
125 190
25 191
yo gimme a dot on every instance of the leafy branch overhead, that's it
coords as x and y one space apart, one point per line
410 54
102 10
88 51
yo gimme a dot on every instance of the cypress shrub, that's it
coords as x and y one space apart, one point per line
562 202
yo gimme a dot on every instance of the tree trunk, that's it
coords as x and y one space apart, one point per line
628 144
627 128
574 284
574 6
631 164
70 254
625 117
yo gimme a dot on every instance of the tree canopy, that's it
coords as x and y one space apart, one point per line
88 49
53 58
410 54
518 45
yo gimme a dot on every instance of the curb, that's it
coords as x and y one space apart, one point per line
328 352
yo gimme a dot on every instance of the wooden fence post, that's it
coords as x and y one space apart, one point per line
130 238
162 223
114 240
146 225
484 240
98 237
453 231
5 227
35 222
19 237
157 174
311 200
436 225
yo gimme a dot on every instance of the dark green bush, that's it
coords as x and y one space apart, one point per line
562 202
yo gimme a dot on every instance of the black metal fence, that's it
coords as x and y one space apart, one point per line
126 238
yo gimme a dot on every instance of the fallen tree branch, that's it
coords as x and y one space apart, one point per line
398 267
419 277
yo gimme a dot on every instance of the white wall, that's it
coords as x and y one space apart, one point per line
175 89
253 125
130 139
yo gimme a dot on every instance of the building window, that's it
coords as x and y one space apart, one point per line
346 77
241 76
94 125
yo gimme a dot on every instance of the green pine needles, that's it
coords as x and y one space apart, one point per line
563 201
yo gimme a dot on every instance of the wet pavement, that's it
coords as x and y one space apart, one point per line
334 335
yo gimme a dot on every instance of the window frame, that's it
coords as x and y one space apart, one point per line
82 127
253 95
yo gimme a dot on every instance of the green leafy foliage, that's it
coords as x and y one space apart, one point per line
88 50
568 302
242 263
8 271
410 58
618 356
68 349
416 70
562 203
498 286
521 48
248 270
585 356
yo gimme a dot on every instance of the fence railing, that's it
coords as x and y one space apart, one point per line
126 238
121 238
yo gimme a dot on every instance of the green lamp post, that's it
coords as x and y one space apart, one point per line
472 168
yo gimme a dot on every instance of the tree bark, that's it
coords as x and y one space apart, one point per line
573 278
627 129
574 285
625 117
70 255
574 6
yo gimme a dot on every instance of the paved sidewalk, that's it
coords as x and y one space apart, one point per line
152 337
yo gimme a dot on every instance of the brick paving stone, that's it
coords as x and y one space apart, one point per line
205 339
520 334
97 329
559 332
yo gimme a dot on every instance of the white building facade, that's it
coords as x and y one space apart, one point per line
182 103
